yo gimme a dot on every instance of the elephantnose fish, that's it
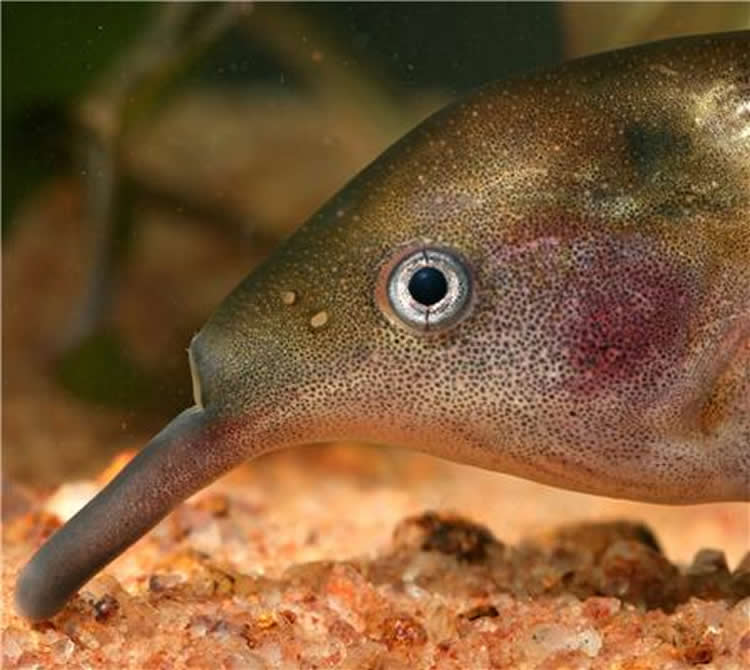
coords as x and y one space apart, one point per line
549 278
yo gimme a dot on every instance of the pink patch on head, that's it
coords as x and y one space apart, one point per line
625 318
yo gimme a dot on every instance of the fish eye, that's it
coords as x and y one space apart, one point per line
428 286
425 289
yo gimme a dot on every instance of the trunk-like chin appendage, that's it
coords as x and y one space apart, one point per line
187 455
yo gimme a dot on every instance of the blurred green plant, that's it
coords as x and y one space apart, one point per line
100 371
51 53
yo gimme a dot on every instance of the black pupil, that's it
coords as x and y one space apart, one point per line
428 286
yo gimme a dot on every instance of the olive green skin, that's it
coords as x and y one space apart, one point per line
602 210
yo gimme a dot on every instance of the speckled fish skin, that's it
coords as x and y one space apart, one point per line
603 211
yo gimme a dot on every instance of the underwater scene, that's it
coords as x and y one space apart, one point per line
376 335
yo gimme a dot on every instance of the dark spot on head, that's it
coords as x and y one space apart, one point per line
649 146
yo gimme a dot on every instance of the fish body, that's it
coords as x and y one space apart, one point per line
549 278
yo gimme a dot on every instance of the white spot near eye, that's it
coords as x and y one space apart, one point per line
288 297
319 320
